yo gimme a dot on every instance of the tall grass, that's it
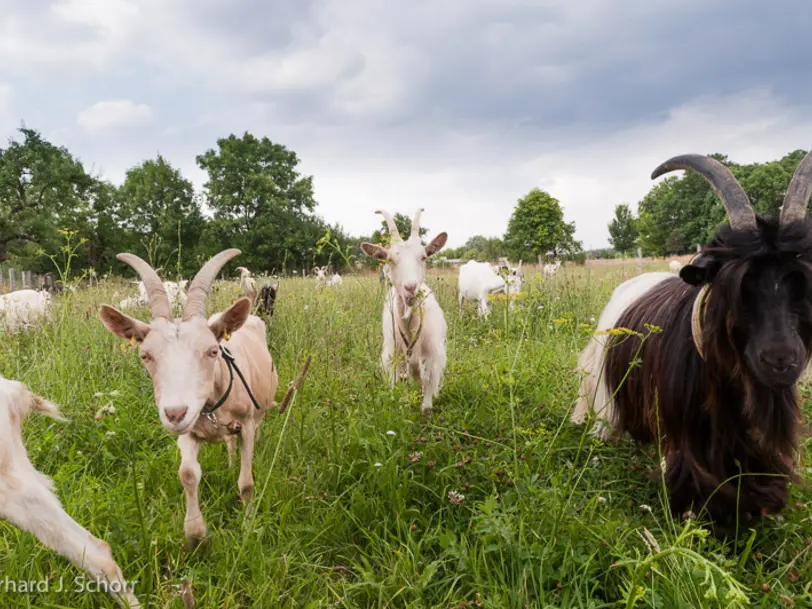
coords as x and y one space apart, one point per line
498 501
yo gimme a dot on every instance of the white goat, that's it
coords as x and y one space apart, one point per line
335 280
479 279
550 269
414 327
321 276
28 502
175 291
247 284
675 266
192 362
22 307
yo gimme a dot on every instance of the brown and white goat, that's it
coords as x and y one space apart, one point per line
414 327
28 502
717 387
192 376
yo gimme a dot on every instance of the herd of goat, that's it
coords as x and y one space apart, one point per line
719 346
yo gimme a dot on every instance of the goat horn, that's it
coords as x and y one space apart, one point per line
156 293
739 211
798 192
394 233
416 223
200 287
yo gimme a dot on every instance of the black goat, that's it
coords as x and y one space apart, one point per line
717 385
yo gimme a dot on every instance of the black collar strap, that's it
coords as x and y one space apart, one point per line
232 367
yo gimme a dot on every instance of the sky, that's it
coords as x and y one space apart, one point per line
457 106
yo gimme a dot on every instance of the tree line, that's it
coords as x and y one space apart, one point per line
680 212
254 198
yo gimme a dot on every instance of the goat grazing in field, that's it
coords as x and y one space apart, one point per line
247 284
674 266
267 297
192 362
22 307
479 279
717 386
414 328
551 268
175 292
28 502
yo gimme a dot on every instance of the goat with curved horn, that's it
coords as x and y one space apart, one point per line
213 378
416 223
739 211
156 293
201 285
394 233
798 192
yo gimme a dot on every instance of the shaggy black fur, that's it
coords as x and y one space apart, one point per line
736 410
267 300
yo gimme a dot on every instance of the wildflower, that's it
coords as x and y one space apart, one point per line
645 509
415 456
601 500
378 464
455 497
390 433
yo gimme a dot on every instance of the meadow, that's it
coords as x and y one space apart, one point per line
498 501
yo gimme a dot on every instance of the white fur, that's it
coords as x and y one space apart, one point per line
479 279
28 502
675 266
550 269
20 308
594 394
175 291
409 302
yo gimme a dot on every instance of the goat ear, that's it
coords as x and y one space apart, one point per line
436 244
695 274
376 251
232 319
122 325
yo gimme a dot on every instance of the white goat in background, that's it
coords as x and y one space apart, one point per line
28 502
22 307
479 279
193 362
175 292
247 284
675 266
414 327
550 269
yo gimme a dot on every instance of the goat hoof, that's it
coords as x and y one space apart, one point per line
246 494
196 536
427 411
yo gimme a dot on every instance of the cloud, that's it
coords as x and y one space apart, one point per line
457 107
106 116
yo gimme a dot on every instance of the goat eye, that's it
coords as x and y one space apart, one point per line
146 357
213 351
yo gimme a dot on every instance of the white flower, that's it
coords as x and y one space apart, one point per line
645 508
601 500
307 307
390 433
455 497
378 464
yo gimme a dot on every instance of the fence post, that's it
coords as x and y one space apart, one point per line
11 280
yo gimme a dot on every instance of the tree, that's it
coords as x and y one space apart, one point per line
537 227
261 203
42 188
479 248
159 208
623 229
404 224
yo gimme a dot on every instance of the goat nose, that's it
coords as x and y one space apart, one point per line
777 360
175 415
410 287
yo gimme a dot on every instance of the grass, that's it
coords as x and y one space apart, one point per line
354 489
